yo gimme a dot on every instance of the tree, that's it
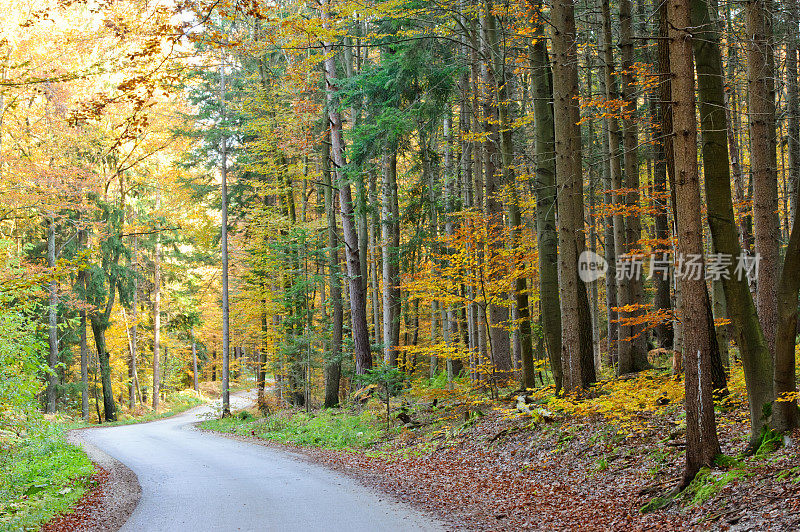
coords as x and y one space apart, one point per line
545 188
721 219
333 362
576 350
223 170
702 445
157 312
358 304
763 162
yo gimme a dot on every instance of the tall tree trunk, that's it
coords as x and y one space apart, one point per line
498 314
333 361
576 323
226 333
194 362
609 253
99 326
522 310
358 307
374 232
84 368
756 358
390 236
701 433
546 192
467 175
82 240
594 304
624 331
429 178
454 364
793 104
661 299
84 348
157 310
665 115
133 331
785 412
52 309
634 285
763 161
708 57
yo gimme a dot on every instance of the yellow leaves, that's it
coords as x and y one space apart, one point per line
627 403
475 136
444 350
787 397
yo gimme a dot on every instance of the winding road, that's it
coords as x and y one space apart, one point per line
196 481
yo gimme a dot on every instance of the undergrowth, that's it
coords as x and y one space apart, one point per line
328 428
40 476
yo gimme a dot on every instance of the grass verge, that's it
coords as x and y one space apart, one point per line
41 476
328 428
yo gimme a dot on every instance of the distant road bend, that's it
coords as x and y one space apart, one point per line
195 481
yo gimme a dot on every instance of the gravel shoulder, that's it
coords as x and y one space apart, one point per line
111 500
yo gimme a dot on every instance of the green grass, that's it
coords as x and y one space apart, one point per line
40 476
329 429
708 483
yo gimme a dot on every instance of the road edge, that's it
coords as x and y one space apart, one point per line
121 492
306 454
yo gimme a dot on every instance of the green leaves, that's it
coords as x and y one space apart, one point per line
34 489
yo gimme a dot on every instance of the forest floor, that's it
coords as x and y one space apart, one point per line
575 465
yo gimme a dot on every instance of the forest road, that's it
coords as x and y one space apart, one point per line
196 481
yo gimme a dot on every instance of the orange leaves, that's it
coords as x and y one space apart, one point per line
641 318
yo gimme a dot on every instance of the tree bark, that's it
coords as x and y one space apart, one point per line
226 392
701 435
609 253
133 331
493 172
374 232
576 323
52 315
333 362
763 162
756 358
99 326
793 105
358 307
390 235
624 332
785 413
523 336
634 285
194 362
157 310
546 192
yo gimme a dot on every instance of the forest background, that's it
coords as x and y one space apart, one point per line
344 194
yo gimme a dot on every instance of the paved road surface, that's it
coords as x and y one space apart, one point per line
195 481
